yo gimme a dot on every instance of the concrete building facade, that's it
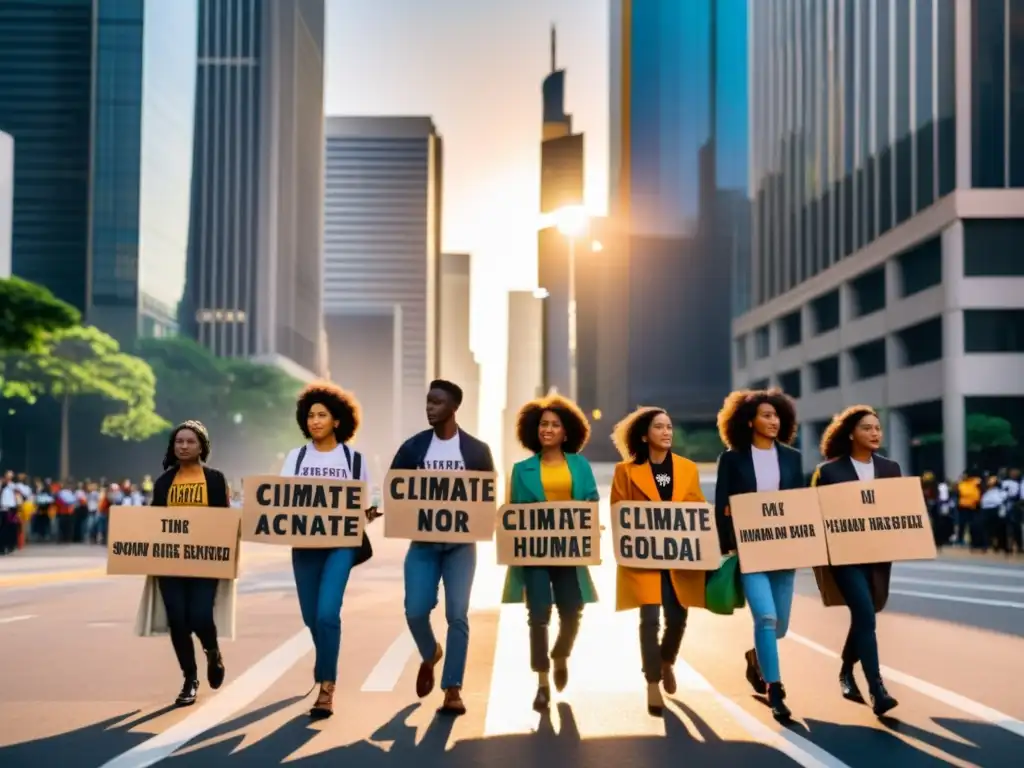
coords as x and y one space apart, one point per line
524 378
887 173
456 361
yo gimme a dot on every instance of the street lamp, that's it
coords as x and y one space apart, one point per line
573 222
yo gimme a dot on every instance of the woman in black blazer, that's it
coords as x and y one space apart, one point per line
757 428
186 482
850 446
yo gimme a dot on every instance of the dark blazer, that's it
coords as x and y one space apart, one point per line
736 476
216 487
475 453
841 470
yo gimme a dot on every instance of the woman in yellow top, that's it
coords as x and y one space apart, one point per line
186 482
651 472
554 430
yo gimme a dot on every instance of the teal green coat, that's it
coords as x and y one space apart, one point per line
526 488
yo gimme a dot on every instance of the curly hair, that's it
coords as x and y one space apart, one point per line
202 435
629 433
835 440
740 408
342 405
577 428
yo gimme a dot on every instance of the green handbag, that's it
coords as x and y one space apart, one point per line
724 590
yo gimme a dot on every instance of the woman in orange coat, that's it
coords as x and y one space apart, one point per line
651 472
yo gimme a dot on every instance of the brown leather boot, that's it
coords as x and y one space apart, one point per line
324 706
453 704
425 677
668 678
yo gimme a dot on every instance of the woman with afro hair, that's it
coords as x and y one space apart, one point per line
850 447
554 430
649 471
757 428
190 602
328 418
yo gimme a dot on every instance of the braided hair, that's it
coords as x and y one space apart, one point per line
201 433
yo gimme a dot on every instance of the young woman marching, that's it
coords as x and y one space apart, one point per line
850 446
189 602
756 428
328 417
651 472
555 430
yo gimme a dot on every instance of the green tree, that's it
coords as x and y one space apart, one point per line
83 361
27 311
988 435
700 445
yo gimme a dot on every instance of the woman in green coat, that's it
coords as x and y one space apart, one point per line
554 430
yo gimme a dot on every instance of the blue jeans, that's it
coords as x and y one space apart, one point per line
321 576
770 597
427 564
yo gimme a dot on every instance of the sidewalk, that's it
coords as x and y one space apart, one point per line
963 553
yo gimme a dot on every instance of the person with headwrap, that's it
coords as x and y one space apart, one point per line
189 602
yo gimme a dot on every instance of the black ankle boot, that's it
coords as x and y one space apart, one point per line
881 701
848 685
753 673
776 694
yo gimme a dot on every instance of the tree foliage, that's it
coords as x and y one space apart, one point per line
699 445
986 432
27 312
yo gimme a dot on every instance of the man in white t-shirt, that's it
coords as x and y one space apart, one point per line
443 447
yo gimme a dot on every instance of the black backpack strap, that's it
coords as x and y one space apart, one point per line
357 468
299 459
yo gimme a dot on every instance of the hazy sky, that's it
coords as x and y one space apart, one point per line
476 67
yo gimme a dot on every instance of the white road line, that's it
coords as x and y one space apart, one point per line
957 598
12 619
240 693
949 698
794 746
384 677
1015 590
976 570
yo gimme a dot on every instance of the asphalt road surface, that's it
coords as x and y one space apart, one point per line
78 690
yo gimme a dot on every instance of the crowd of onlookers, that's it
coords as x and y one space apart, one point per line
982 510
44 510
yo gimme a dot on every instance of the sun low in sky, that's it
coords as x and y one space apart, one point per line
476 67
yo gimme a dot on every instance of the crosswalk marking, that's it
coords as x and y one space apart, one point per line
994 571
969 586
13 619
957 598
385 676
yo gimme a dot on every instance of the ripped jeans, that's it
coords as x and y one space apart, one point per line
770 597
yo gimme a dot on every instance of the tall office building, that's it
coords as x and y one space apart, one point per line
6 201
382 238
255 242
887 165
677 124
456 361
524 375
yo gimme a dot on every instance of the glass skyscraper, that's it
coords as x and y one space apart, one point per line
886 172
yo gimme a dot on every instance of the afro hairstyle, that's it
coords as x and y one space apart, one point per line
342 405
577 428
628 435
835 440
740 408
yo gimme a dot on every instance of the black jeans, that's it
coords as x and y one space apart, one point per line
655 653
189 604
854 582
547 585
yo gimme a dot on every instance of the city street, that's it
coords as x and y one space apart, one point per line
80 691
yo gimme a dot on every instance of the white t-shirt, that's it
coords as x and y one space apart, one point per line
325 464
445 455
766 467
865 469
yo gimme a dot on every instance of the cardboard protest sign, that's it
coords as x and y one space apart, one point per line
549 533
666 535
308 512
439 506
878 521
200 542
776 530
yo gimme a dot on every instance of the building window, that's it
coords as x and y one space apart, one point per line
946 79
760 384
740 346
825 312
762 343
993 247
789 330
825 373
924 25
868 292
988 93
921 343
868 360
993 330
920 268
789 382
